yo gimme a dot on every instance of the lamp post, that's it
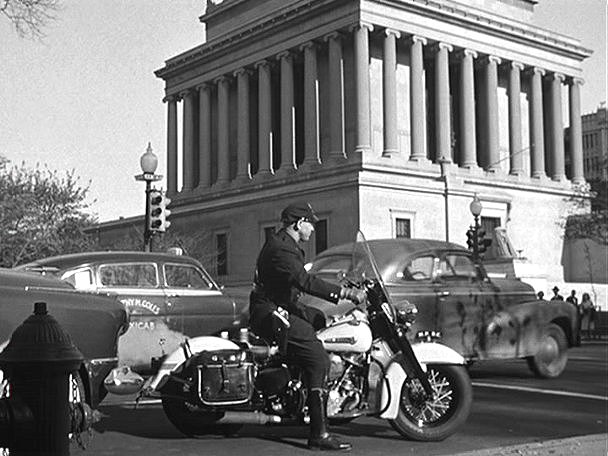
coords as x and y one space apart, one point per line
148 163
475 207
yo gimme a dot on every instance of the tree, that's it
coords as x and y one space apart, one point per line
29 17
41 214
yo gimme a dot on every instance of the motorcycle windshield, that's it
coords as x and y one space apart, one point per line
364 265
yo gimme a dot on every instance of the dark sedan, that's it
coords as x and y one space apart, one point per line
93 321
480 317
169 298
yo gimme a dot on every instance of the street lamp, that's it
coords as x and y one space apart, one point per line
148 163
473 234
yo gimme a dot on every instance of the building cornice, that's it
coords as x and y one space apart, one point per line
444 10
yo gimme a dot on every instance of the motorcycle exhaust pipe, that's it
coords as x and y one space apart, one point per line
248 418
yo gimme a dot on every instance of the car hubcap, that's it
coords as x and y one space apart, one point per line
549 350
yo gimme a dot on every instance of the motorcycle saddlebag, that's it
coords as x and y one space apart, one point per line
225 377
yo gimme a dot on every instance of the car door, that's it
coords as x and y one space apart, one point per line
460 309
137 286
195 304
413 283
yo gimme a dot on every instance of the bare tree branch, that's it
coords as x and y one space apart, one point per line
30 17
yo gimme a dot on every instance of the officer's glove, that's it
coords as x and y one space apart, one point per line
353 294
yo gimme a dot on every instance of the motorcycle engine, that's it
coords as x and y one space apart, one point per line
345 385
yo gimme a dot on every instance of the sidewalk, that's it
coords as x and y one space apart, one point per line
588 445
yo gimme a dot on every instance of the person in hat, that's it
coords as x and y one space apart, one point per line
556 296
278 316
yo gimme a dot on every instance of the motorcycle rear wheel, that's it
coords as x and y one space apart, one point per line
191 420
439 417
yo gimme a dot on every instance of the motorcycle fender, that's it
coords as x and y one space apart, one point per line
178 357
426 353
435 353
391 391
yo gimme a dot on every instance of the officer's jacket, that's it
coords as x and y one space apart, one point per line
281 277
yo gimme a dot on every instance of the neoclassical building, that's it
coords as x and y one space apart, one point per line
387 115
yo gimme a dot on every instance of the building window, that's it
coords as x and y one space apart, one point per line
221 250
268 231
403 228
488 224
320 236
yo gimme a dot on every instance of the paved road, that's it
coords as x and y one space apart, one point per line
510 407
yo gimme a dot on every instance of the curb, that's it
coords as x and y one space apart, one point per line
588 445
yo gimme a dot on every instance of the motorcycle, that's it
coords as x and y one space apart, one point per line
217 384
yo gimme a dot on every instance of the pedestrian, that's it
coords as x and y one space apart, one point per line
541 295
572 299
278 316
588 315
556 296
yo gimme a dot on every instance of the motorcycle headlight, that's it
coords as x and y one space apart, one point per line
407 314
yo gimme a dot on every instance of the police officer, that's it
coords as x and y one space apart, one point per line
276 314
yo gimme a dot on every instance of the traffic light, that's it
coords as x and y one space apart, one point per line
158 211
482 242
471 240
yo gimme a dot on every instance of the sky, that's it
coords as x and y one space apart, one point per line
85 97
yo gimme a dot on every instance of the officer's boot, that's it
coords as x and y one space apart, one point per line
320 438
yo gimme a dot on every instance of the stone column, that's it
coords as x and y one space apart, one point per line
336 94
537 139
288 115
417 100
204 135
515 149
311 106
242 167
264 119
557 128
468 140
442 103
491 112
223 131
389 93
363 116
576 131
171 144
188 140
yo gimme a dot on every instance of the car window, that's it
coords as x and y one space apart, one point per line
457 266
187 276
416 269
81 279
136 275
331 266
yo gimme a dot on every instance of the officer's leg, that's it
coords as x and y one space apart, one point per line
314 362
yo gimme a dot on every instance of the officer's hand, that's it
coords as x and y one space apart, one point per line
353 294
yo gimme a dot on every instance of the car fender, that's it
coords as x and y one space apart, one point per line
529 319
175 359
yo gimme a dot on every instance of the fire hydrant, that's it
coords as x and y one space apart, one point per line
38 360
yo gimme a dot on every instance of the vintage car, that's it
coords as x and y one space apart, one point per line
169 298
480 317
93 321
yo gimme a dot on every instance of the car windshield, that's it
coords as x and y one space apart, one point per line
187 276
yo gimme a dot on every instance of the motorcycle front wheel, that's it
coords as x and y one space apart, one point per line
190 419
434 419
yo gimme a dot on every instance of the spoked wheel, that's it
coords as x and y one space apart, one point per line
552 356
191 420
435 418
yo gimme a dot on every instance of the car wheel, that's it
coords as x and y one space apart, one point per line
552 355
190 419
